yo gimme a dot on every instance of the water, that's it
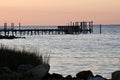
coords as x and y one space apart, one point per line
70 54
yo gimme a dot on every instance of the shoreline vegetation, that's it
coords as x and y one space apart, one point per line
24 65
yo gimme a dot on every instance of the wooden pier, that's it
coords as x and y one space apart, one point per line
73 28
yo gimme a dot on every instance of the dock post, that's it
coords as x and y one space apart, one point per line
19 25
100 28
73 24
92 25
70 23
12 28
5 28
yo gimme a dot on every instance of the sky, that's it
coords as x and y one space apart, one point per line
59 12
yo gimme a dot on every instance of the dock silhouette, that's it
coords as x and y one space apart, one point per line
73 28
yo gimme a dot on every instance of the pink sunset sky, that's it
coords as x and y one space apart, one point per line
59 12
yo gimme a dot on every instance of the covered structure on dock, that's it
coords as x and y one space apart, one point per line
78 27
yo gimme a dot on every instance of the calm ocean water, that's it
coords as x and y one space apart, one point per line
70 54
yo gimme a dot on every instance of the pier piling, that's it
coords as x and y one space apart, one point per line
5 28
100 28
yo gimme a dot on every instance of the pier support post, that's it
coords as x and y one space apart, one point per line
5 28
100 28
19 26
12 28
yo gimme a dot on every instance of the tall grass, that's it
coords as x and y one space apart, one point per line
12 58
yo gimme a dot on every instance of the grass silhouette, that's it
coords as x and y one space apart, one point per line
12 58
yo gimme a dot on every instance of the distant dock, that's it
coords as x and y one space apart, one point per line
72 28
